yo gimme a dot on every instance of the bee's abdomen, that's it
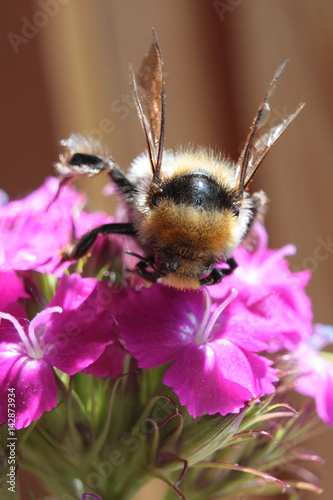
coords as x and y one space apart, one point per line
198 190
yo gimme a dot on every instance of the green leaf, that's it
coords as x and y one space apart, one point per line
204 436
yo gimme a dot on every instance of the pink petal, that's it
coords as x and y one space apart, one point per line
34 232
319 387
263 273
218 377
74 341
77 337
324 399
34 384
110 363
316 381
249 330
72 291
12 290
158 323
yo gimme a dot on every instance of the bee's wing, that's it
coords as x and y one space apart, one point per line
149 96
255 150
264 143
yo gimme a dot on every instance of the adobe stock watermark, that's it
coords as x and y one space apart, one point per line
11 441
225 7
30 27
120 106
321 253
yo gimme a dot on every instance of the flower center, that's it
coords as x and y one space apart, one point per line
209 320
29 339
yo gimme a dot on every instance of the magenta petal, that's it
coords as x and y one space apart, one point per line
247 330
39 200
265 273
158 323
316 380
291 328
32 235
34 384
72 291
263 375
77 337
218 377
34 230
74 342
324 400
110 363
11 291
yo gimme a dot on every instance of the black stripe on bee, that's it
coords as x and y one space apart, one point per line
196 189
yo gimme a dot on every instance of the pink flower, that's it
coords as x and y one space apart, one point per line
33 232
316 368
264 274
70 340
23 369
11 291
213 346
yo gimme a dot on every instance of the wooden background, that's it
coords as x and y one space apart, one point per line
64 68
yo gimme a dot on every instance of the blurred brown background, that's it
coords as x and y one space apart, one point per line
64 68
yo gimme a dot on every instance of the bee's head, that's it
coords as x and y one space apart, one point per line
182 271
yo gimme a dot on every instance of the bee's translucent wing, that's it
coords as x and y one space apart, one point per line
264 143
256 149
149 96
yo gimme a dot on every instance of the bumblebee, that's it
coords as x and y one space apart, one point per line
188 209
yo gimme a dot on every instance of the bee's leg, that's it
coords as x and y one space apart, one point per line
143 264
232 266
217 275
82 246
141 269
124 184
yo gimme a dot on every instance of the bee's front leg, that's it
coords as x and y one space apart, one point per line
217 275
141 269
83 245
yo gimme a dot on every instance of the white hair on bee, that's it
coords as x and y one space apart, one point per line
83 155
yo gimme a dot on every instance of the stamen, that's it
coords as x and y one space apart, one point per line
20 331
207 323
202 326
30 341
32 335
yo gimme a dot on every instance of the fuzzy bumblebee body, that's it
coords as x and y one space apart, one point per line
188 209
192 223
